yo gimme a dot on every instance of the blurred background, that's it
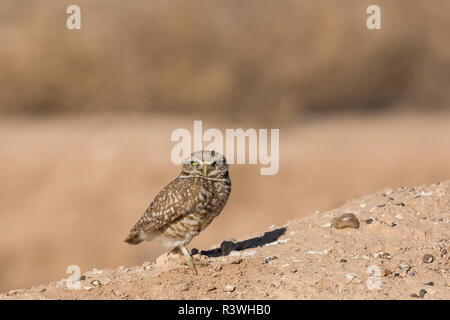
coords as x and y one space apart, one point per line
86 115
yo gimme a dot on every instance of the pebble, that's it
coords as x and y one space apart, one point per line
349 277
146 266
326 251
291 269
348 220
422 293
269 259
95 283
211 288
264 294
431 283
427 258
369 221
184 287
343 260
236 260
404 266
229 288
385 255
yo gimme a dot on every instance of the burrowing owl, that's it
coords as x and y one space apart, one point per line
187 205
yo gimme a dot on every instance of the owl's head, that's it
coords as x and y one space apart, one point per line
205 163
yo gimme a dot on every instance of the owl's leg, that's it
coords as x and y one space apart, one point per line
189 259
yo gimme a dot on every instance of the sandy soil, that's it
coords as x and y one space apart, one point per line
401 250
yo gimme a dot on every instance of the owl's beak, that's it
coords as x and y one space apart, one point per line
205 169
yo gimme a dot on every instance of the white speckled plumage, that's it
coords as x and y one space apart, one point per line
188 204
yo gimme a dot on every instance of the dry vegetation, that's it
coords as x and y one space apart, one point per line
234 58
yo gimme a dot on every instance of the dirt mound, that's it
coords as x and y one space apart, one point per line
396 246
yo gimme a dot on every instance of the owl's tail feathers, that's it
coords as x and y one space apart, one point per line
135 237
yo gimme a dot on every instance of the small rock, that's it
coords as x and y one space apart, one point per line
369 221
95 283
83 277
235 260
194 251
229 288
322 252
343 260
431 283
264 294
146 266
427 258
422 293
184 287
404 266
387 272
42 290
348 220
385 255
291 269
349 277
269 259
211 288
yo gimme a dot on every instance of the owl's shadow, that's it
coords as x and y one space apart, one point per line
227 246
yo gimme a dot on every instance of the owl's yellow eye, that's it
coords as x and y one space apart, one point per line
195 163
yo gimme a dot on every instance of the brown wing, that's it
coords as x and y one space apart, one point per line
175 200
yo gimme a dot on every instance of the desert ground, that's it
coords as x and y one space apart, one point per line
72 187
397 248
